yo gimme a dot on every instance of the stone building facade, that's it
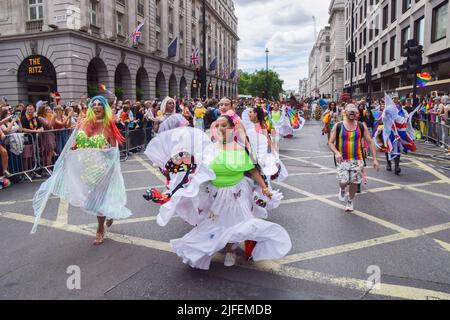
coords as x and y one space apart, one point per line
71 46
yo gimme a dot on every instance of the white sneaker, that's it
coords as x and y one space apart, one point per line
342 195
230 259
349 206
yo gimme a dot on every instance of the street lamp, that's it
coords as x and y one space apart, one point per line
203 73
317 86
267 73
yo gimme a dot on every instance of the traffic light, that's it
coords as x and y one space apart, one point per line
368 71
413 53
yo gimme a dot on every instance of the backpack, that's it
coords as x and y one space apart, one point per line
338 133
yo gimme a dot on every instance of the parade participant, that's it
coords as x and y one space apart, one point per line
168 118
199 115
214 195
87 174
396 134
259 130
285 130
346 143
330 118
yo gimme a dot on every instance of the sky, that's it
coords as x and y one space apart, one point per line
286 28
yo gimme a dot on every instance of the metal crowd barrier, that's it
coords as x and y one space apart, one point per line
41 150
26 162
435 131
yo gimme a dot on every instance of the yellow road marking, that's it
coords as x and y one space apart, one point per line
272 267
361 244
312 173
144 188
126 221
430 170
388 290
306 161
435 194
443 244
63 212
134 171
147 166
361 214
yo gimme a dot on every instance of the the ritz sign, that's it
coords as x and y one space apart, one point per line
35 66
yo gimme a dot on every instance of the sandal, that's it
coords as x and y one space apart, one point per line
99 238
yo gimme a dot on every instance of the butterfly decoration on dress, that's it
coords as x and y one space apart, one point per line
237 195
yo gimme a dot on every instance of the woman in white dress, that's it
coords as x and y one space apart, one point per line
218 190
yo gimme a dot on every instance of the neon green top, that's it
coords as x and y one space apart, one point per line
276 115
97 141
230 166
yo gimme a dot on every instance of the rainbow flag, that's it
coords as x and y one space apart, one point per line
422 79
294 118
103 87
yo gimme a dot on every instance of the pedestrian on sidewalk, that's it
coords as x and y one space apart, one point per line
346 142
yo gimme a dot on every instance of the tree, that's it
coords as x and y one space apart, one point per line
254 84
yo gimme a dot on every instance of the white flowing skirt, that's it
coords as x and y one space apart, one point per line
286 128
229 217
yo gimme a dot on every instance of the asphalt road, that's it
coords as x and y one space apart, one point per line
400 230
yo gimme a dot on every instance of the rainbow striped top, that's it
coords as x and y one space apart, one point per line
350 144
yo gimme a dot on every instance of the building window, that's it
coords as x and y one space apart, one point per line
439 23
392 51
385 16
140 7
406 35
384 53
93 12
419 30
393 10
377 25
36 9
375 59
406 5
120 22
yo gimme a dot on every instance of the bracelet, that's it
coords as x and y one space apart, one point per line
265 189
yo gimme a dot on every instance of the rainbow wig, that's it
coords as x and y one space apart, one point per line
108 118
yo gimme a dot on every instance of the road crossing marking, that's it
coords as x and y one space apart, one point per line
273 267
361 214
63 212
326 252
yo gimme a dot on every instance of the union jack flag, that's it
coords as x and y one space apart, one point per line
136 35
225 72
398 133
195 57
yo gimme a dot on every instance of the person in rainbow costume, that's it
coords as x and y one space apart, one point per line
87 174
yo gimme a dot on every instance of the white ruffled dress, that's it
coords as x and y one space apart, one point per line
220 215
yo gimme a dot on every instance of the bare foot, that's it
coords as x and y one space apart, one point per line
99 238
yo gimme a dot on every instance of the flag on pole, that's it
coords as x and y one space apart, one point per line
172 50
233 74
136 35
213 65
195 57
